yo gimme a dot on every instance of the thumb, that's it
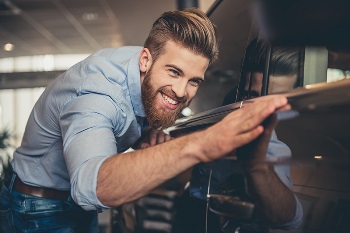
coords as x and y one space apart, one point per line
269 124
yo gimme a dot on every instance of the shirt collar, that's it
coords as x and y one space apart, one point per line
134 84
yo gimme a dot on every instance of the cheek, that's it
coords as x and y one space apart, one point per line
191 92
272 88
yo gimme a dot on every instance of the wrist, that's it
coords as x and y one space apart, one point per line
198 147
257 167
191 147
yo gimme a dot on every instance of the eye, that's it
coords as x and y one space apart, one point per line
244 95
249 95
196 82
254 96
174 72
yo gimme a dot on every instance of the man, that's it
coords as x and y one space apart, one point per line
286 67
228 177
70 164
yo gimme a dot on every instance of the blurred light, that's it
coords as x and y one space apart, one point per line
9 47
318 157
35 63
335 75
186 112
48 62
311 106
7 65
90 16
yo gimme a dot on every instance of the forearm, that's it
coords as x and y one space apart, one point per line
129 176
274 198
126 177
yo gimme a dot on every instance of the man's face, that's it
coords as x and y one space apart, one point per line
171 83
277 84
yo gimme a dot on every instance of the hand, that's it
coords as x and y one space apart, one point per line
151 137
240 127
255 152
267 97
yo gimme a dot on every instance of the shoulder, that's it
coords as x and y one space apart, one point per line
112 53
111 61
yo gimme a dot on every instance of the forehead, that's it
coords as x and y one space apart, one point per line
183 58
281 83
277 83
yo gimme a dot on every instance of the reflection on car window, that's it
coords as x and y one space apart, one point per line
285 69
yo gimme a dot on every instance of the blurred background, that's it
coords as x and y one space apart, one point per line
39 39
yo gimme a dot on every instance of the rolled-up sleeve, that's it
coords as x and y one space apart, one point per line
89 124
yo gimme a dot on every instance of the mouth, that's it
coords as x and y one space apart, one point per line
169 103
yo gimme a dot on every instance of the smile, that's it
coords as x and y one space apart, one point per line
170 100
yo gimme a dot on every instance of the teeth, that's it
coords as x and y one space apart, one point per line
169 100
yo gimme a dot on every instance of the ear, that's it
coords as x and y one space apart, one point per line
145 61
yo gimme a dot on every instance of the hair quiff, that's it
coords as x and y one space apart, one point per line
191 28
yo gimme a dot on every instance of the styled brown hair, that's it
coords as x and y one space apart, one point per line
191 28
284 60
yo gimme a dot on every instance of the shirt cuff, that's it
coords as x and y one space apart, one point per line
84 185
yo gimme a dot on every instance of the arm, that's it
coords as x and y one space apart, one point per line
126 177
276 201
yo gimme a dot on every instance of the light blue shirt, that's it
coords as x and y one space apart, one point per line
87 114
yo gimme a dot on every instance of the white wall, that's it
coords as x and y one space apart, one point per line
15 107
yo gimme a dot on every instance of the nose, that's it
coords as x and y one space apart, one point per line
180 88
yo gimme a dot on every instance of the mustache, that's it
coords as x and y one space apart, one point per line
171 94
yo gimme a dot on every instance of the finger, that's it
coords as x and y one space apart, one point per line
244 138
160 137
267 97
284 108
232 155
144 145
251 110
256 113
168 137
219 145
276 100
153 137
249 119
270 123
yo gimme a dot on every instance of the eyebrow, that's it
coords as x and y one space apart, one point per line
182 73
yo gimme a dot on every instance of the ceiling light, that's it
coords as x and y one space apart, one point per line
90 16
8 47
318 157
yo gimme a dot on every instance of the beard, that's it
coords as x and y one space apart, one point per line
157 116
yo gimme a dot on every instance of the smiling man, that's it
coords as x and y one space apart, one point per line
182 71
71 164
